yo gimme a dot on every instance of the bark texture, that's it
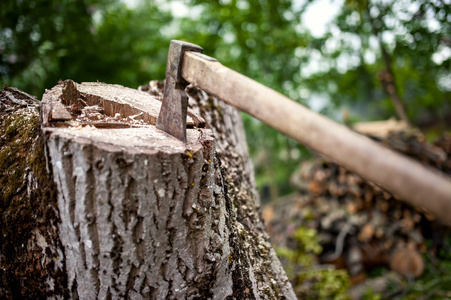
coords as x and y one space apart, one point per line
31 255
258 263
136 222
139 214
256 272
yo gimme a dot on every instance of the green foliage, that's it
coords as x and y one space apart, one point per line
415 35
370 295
308 240
129 48
260 39
328 284
307 247
323 283
42 41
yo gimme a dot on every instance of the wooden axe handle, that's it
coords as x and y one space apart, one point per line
403 177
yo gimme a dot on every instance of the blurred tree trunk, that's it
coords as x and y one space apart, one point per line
103 205
387 76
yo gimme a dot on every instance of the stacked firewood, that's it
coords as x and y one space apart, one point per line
359 224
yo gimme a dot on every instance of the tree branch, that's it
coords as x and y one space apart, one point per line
387 76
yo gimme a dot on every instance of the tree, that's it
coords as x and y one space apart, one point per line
131 211
44 41
391 49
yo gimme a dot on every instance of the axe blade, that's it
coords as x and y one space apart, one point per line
172 117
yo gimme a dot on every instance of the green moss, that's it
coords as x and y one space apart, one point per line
24 208
324 283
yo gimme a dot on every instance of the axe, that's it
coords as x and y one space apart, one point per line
403 177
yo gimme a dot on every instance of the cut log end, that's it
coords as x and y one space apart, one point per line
125 116
135 140
104 106
407 262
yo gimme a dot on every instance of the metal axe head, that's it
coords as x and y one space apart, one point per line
172 117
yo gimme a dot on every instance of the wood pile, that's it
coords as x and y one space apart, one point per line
360 225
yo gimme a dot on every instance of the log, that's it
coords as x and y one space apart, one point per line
139 214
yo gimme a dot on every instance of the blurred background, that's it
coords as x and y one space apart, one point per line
352 60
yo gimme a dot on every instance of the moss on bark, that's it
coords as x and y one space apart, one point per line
27 205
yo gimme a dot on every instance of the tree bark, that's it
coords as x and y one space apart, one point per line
135 212
31 264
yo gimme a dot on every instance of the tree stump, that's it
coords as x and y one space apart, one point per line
138 214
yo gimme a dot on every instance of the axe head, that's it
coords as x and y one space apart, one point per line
172 117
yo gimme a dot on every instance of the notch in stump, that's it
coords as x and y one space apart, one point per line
103 106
